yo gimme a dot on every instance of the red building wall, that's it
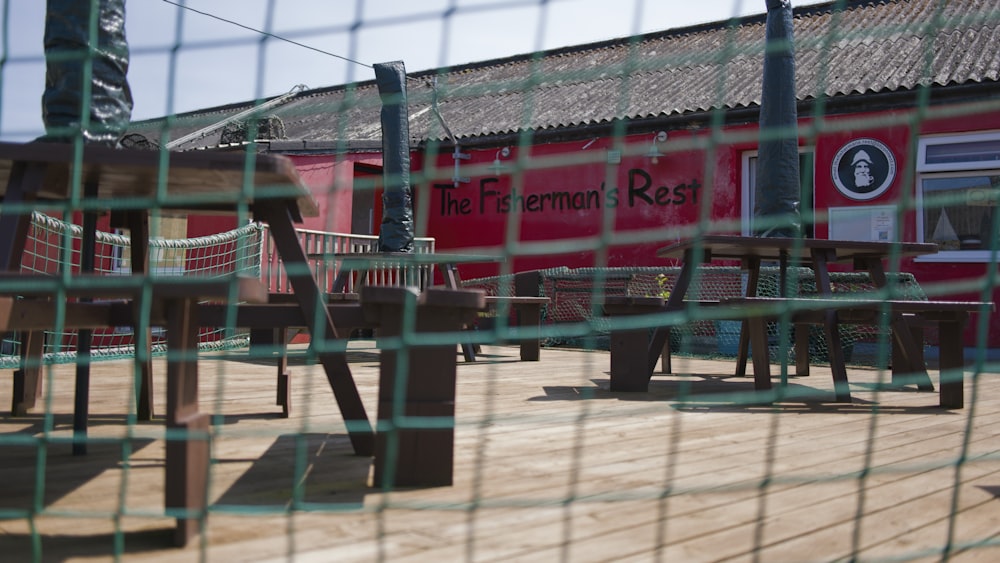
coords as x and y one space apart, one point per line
330 178
577 198
573 197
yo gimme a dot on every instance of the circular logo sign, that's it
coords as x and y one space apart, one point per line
863 169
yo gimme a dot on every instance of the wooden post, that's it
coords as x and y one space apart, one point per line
417 381
187 449
630 370
951 361
28 377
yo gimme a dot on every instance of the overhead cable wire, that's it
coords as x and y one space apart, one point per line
280 38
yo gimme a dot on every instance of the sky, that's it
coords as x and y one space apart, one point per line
193 54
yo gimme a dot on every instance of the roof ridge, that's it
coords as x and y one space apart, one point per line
842 49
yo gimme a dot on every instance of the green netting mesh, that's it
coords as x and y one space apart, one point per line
572 164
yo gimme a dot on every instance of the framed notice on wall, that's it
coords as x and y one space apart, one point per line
863 222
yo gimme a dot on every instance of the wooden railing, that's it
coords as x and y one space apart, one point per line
325 242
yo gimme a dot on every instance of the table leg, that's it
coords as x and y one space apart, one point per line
908 357
675 302
81 403
274 342
666 356
528 284
628 360
137 223
752 265
452 280
757 334
344 281
529 317
907 353
421 386
22 188
321 327
28 377
801 350
187 448
831 328
451 276
284 398
468 350
952 363
900 363
838 366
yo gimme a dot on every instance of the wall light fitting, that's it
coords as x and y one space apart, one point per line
654 153
497 165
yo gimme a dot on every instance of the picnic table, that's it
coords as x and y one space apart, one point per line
830 313
818 254
128 183
416 269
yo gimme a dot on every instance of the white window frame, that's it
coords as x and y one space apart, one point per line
938 140
748 181
950 169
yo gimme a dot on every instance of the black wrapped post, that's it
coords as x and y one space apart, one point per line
396 232
86 97
86 62
777 194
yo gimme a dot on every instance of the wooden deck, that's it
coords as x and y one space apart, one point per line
550 466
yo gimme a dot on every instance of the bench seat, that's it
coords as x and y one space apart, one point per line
810 309
630 345
949 316
29 309
630 340
528 312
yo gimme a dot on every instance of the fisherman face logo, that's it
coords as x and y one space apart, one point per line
863 169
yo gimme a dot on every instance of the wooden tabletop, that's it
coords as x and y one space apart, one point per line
202 180
735 247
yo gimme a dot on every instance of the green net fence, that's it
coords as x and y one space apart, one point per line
575 296
564 361
233 252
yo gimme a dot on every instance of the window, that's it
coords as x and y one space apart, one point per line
958 186
806 208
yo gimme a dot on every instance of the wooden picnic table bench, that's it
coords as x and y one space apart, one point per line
949 316
903 317
629 344
40 305
628 341
818 254
425 455
271 322
527 317
527 311
416 269
128 183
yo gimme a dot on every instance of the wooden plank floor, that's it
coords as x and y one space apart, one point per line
550 466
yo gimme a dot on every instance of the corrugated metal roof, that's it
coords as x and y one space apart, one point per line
870 46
